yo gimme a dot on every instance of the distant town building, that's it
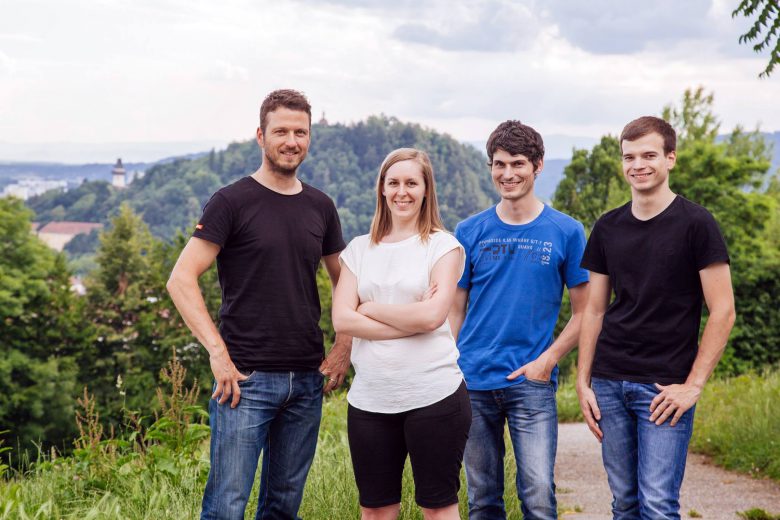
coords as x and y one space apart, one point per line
118 175
57 234
26 188
323 121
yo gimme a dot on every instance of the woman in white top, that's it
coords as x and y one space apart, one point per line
395 290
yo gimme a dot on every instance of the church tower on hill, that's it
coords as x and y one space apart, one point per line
118 176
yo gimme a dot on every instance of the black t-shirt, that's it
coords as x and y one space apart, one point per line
650 331
271 248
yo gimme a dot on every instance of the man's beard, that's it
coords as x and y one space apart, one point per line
280 169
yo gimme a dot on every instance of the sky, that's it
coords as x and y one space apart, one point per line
193 72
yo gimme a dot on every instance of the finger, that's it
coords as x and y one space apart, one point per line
594 407
240 376
661 387
225 392
236 394
217 390
664 410
677 415
517 373
657 400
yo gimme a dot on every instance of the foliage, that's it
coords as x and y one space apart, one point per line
135 321
765 31
343 161
737 421
729 178
41 337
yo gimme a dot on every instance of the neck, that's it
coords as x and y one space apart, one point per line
278 182
645 206
519 211
401 229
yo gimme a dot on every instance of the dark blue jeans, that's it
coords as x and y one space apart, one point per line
530 411
645 463
278 415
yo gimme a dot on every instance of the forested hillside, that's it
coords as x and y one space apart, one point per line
343 161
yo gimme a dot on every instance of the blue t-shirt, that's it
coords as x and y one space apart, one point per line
515 276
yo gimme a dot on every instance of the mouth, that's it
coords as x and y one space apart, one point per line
291 154
509 184
402 204
641 176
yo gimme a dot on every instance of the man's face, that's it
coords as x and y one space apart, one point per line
285 141
513 175
645 165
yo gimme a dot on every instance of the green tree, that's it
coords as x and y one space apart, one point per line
42 337
765 31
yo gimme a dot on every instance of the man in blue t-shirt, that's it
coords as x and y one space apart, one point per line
520 253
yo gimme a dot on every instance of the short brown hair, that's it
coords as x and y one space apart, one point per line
647 125
516 138
429 219
287 98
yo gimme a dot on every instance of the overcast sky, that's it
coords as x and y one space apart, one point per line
97 71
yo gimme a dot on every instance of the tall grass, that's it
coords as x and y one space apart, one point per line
737 422
160 471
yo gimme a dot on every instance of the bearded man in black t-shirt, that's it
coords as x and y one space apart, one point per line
268 233
641 365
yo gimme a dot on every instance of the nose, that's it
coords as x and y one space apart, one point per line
290 140
639 163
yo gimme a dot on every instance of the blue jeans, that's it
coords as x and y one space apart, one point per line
278 414
530 411
644 462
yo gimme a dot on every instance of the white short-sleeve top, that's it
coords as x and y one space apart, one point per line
393 376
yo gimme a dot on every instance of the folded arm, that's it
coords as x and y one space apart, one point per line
346 319
430 313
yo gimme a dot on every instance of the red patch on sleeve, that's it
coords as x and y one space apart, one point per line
199 226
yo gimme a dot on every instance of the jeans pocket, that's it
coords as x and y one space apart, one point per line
249 374
539 381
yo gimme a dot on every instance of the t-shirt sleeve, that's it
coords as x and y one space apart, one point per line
349 256
465 277
709 246
216 222
333 241
441 244
593 257
575 246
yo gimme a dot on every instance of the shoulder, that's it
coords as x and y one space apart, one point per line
444 238
237 189
316 196
695 212
473 224
359 243
567 224
613 216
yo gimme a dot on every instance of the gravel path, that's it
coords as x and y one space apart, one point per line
712 492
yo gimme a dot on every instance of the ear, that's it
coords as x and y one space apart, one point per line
259 137
671 159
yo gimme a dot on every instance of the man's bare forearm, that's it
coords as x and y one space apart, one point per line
187 297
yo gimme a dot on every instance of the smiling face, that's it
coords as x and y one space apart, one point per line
513 175
404 190
645 165
285 140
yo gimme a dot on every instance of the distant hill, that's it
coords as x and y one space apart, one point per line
343 161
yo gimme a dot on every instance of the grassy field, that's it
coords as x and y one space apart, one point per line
737 423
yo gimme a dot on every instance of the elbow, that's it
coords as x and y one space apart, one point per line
340 323
430 325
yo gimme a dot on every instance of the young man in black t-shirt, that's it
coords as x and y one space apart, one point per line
641 366
268 233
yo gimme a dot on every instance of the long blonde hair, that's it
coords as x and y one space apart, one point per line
429 219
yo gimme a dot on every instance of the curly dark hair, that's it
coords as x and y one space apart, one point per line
287 98
516 138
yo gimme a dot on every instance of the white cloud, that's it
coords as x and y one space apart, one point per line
169 70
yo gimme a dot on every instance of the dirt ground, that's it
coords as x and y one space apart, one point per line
708 491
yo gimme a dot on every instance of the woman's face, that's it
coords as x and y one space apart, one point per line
404 190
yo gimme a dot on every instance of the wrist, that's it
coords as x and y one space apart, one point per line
216 351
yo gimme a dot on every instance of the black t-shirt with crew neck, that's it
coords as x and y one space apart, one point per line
650 330
271 245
